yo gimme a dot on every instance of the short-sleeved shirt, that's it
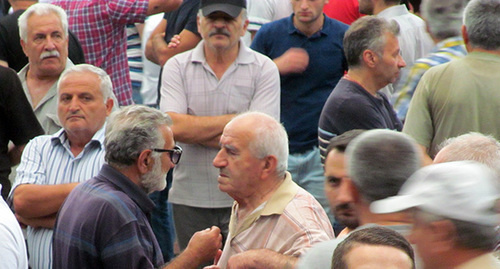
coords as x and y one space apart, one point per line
455 98
17 123
48 160
350 107
189 86
183 18
261 12
104 223
303 95
290 223
100 27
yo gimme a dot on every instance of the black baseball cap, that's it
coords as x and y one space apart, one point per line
231 7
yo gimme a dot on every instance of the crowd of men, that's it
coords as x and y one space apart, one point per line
281 137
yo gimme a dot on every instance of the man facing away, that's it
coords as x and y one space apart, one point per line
373 55
202 89
444 20
461 96
273 220
52 165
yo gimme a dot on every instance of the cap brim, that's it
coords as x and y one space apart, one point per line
231 10
394 204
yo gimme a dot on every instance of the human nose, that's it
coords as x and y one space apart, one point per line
344 194
220 23
303 4
401 62
74 104
219 160
49 43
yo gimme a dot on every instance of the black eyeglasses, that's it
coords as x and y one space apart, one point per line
175 154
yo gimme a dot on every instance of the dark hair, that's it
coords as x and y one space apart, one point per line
340 142
377 235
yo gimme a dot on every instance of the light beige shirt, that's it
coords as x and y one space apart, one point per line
290 222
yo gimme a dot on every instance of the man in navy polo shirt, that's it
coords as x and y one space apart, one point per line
307 48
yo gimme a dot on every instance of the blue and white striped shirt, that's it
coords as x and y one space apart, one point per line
48 160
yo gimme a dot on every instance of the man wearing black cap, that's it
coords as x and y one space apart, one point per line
202 89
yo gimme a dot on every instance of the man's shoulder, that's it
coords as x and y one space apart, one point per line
335 25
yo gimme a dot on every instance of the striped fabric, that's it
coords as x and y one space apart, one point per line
48 160
134 55
445 51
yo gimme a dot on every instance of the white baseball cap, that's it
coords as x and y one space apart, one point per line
463 190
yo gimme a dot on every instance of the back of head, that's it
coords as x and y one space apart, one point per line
106 85
269 138
367 33
482 21
380 161
340 142
444 17
41 9
131 130
374 236
477 147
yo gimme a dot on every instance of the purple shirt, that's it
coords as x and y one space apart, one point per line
104 223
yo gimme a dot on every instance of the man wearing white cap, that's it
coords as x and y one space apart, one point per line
455 210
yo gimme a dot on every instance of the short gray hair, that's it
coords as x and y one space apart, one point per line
41 9
444 17
106 86
131 130
367 33
270 138
472 146
468 235
482 20
380 161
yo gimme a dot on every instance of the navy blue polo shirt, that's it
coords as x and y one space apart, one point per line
303 95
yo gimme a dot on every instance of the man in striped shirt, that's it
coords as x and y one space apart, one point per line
52 165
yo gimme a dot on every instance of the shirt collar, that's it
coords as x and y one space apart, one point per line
274 206
322 32
60 138
124 184
390 12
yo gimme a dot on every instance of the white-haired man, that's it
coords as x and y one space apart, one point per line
52 165
273 221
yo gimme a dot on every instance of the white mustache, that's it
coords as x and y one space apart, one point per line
52 53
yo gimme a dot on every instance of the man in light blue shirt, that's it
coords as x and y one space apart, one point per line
52 165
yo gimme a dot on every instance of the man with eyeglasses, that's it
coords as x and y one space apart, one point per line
104 222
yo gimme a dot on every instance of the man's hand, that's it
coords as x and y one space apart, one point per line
174 42
294 60
205 245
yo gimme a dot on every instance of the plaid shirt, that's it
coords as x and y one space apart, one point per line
100 27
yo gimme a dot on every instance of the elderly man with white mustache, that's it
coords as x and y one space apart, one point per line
43 29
